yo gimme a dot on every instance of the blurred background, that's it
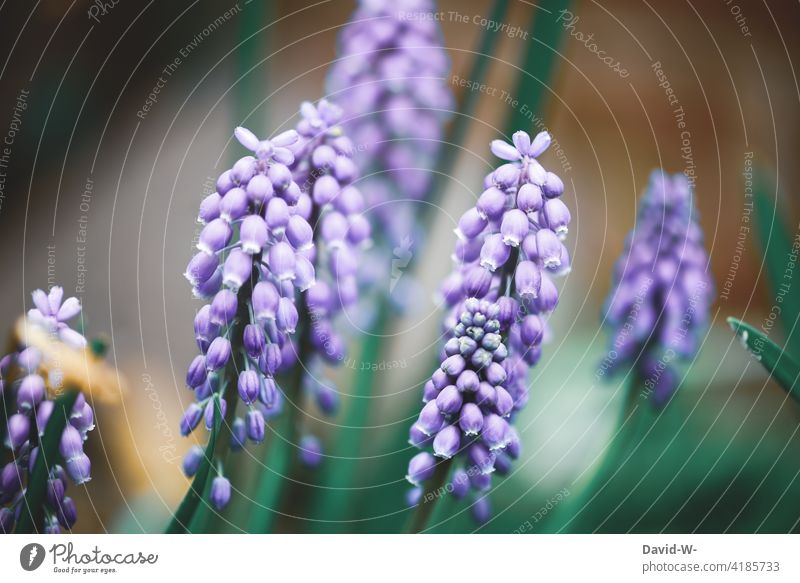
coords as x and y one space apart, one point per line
100 191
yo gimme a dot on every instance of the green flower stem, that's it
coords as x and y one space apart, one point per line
448 153
434 490
540 62
32 516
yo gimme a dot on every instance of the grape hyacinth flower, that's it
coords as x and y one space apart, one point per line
501 292
662 290
279 245
391 80
26 382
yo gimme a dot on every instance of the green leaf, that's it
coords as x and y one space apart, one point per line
32 517
272 480
772 357
779 255
540 63
183 516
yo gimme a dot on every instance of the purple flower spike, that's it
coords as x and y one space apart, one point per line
660 299
500 293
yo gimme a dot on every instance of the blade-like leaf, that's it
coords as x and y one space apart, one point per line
183 516
32 517
536 77
779 255
783 368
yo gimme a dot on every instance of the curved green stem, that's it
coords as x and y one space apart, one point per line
434 490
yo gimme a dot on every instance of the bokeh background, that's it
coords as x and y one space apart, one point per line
721 458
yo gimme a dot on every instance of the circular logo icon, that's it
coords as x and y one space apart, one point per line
31 556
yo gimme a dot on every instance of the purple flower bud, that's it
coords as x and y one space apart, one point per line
471 224
10 479
440 379
204 330
6 521
468 380
557 217
514 227
494 252
334 229
536 173
299 233
495 374
505 402
540 143
55 492
447 442
454 365
190 419
282 261
486 396
528 279
280 176
325 189
243 170
31 392
417 437
495 432
270 360
219 352
71 443
343 262
548 295
233 205
287 316
310 451
319 298
449 400
506 175
529 198
344 169
249 386
256 426
459 483
430 419
214 236
79 468
513 447
508 310
220 492
277 215
359 229
209 412
553 186
29 359
196 374
481 458
522 142
238 434
259 189
327 398
477 281
223 307
201 268
549 248
209 208
225 182
305 276
421 468
481 510
237 269
491 203
471 419
504 150
531 330
67 513
323 156
192 459
265 301
253 234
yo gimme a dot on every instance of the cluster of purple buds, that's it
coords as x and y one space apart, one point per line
662 290
509 250
24 380
280 239
391 80
468 406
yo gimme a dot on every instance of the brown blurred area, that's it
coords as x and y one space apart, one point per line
84 165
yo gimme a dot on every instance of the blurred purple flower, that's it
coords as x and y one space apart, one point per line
662 290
